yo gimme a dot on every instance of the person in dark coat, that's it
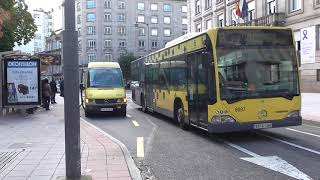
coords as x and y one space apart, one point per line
53 86
46 94
62 88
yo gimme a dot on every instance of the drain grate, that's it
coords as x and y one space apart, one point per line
6 158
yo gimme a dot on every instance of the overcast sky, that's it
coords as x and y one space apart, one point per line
48 5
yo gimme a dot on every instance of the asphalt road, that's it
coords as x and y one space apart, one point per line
171 153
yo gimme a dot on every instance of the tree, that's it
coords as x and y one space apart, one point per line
125 62
18 27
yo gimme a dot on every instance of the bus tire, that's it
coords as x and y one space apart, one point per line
180 117
143 104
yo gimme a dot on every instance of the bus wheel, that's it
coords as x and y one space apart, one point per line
143 104
180 117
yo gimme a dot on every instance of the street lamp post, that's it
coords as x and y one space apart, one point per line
148 36
71 98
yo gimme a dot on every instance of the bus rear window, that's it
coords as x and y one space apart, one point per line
254 37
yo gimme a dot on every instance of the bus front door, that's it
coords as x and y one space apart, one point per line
197 89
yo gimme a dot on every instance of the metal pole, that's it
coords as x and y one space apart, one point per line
148 39
71 83
1 76
225 13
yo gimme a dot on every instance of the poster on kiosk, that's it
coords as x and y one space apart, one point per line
21 81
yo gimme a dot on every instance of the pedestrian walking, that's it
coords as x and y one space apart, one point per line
62 88
46 94
53 86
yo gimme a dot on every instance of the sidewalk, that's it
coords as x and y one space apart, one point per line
311 106
32 148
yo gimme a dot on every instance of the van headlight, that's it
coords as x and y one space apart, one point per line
222 119
294 114
89 100
122 100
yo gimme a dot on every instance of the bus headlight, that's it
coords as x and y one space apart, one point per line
294 114
222 119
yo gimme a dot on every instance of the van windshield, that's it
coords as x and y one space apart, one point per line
105 78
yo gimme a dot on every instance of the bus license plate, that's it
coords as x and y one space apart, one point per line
106 109
262 126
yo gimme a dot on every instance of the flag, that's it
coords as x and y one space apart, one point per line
244 11
238 11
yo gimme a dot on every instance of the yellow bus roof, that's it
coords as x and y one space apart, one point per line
103 65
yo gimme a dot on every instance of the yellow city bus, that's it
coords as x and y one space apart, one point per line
223 80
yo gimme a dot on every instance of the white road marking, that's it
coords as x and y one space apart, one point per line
315 135
135 123
289 143
274 163
140 147
129 116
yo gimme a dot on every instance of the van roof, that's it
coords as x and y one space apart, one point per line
103 65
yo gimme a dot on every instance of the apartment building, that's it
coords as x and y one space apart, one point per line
303 16
109 28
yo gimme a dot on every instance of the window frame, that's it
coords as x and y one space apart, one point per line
140 15
140 8
153 5
166 9
156 30
88 5
91 30
108 43
166 18
105 30
88 20
164 32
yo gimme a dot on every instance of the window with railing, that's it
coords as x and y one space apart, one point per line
108 57
198 27
208 4
107 17
251 10
221 20
107 4
271 6
91 30
198 7
92 57
91 43
108 43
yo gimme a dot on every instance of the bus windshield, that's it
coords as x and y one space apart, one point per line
256 64
105 78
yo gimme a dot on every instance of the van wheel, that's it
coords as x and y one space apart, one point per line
87 114
180 118
143 104
123 112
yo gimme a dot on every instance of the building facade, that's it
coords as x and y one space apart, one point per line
296 14
54 46
44 21
109 28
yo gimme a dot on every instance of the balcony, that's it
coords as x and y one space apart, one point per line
276 19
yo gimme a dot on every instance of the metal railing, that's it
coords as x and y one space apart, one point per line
275 19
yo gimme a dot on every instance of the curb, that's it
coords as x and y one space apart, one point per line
134 171
310 121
